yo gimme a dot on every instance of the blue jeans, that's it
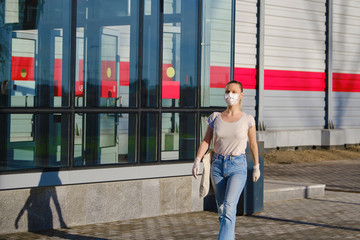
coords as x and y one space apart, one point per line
228 176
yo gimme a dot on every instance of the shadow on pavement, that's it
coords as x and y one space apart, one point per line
306 223
66 235
323 200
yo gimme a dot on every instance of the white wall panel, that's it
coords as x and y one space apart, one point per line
245 48
294 41
245 34
285 110
346 55
296 27
220 33
346 36
346 109
11 11
249 102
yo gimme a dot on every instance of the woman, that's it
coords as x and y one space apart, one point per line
231 129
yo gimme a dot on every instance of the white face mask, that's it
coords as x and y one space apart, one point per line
231 98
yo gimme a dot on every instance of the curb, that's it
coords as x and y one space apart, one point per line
275 190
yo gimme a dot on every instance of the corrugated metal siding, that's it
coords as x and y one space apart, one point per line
220 34
346 64
292 110
11 11
294 51
245 51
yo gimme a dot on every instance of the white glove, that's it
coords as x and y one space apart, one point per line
256 172
196 167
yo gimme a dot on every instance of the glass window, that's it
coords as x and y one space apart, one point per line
151 52
105 139
149 137
35 71
107 53
215 51
35 56
180 51
178 136
34 141
203 127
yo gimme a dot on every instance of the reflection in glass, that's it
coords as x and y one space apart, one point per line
215 51
203 127
109 139
151 51
107 53
148 139
179 59
35 56
178 136
33 141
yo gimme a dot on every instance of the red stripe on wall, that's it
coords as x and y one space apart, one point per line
79 88
79 84
108 79
58 77
294 80
108 70
247 77
165 77
124 74
170 90
273 79
219 76
22 68
346 82
108 89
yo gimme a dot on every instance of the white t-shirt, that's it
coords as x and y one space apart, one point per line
230 138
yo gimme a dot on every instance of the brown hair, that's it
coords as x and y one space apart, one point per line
236 82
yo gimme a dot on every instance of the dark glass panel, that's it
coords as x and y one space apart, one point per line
35 53
105 139
178 136
34 141
180 53
107 53
149 140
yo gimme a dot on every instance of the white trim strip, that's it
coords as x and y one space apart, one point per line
28 180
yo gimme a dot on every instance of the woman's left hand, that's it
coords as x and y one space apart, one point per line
256 172
196 168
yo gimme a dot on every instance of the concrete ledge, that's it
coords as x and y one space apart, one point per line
280 190
50 207
308 137
331 137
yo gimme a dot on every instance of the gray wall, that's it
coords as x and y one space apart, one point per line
54 207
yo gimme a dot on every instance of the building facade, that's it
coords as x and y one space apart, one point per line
103 102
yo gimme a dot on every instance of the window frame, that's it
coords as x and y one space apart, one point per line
72 109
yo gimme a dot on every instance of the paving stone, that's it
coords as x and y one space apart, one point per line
334 216
337 175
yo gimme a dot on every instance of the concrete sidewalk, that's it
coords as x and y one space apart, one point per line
309 180
336 215
341 175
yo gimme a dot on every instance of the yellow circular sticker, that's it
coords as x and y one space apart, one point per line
108 72
170 72
23 73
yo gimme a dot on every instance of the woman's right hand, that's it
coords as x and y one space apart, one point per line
196 168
